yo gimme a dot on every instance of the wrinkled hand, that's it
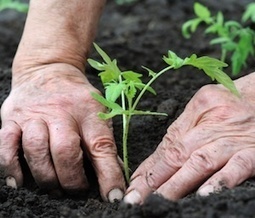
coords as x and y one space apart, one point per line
210 146
51 115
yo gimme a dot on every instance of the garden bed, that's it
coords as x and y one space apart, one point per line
137 34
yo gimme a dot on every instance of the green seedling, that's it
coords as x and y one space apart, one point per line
125 89
13 4
123 2
232 37
249 13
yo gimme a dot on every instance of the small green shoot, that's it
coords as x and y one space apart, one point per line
13 4
233 38
123 2
249 13
127 87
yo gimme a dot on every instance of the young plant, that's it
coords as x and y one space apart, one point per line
13 4
233 38
128 87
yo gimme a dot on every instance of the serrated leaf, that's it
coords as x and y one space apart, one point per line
130 90
131 76
223 79
213 68
173 60
113 91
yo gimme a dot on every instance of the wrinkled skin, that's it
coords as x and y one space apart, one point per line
51 115
210 146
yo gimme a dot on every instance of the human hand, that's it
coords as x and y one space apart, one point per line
210 146
51 115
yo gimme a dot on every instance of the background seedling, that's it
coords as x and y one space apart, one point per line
122 2
233 38
13 4
128 88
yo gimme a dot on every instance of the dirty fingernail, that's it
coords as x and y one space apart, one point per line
10 181
205 191
133 197
115 194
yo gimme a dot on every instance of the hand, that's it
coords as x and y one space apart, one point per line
210 146
51 115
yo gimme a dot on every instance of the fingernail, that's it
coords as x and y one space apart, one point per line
10 181
133 197
115 195
205 191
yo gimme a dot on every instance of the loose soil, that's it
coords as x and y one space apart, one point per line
137 34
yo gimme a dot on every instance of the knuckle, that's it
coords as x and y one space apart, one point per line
67 147
7 135
175 156
243 161
201 162
103 146
204 95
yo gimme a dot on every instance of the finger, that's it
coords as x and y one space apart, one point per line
10 168
169 157
67 156
35 142
201 165
102 150
239 168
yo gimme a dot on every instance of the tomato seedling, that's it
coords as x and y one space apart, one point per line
128 87
233 38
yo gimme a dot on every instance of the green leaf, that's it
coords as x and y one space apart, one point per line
108 76
223 79
219 40
113 91
201 11
151 72
249 13
100 51
131 76
213 68
105 102
130 90
15 5
95 64
244 47
173 60
113 113
110 70
190 26
148 88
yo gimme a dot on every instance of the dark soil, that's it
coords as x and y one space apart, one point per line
138 34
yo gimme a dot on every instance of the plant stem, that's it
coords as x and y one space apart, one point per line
125 123
148 84
125 148
223 55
